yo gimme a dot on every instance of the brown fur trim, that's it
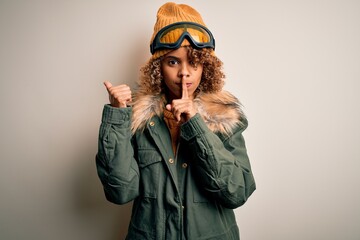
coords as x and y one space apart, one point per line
144 108
221 111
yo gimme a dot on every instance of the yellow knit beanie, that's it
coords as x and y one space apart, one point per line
170 13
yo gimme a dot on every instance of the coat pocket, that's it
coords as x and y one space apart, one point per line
144 219
149 164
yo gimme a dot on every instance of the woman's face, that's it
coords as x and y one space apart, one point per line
176 67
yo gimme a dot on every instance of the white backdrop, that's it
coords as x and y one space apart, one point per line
295 65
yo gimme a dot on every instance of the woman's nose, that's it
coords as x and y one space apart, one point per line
184 70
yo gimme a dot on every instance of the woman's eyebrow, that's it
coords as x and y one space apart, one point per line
173 57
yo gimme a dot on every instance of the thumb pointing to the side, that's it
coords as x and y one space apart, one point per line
108 85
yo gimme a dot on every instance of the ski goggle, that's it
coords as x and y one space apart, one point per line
172 36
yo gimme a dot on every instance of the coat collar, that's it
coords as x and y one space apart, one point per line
220 111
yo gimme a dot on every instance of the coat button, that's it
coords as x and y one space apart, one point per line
152 123
171 160
184 165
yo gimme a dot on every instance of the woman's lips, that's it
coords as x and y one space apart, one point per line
187 85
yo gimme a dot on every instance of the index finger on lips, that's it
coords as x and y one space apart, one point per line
185 94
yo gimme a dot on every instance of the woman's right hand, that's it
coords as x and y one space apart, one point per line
119 95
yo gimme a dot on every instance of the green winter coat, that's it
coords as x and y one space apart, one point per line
188 196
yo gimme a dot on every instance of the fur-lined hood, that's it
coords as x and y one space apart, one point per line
221 111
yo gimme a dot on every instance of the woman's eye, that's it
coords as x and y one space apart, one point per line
193 64
173 62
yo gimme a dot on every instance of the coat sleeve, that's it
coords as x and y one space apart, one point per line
115 162
222 165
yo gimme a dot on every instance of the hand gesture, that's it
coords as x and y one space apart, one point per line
182 108
119 95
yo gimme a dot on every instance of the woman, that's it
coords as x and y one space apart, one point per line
177 150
